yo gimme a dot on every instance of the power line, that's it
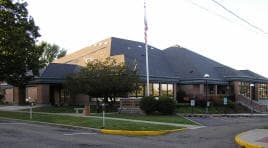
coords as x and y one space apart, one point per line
210 11
240 18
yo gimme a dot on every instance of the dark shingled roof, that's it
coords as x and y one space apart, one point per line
190 65
174 64
134 53
56 73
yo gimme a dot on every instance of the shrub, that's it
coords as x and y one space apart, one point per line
166 105
148 104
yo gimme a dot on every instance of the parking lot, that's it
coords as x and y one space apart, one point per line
220 132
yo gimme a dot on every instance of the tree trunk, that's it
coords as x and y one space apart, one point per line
105 100
21 95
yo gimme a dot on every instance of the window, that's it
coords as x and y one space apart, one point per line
170 90
140 91
263 91
164 90
156 91
150 89
245 88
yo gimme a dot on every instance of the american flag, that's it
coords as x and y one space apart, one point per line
145 24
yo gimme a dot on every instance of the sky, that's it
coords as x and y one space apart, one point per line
199 25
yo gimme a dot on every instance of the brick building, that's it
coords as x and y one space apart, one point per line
171 70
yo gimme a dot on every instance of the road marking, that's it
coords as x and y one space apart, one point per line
79 134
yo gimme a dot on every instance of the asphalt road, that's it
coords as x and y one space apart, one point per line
219 134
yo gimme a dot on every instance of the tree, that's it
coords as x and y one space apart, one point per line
103 79
50 52
18 55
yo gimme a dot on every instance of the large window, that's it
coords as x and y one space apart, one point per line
164 90
170 90
140 91
151 89
245 88
167 90
156 91
263 91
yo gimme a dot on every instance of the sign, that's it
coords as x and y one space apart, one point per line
225 100
192 102
208 104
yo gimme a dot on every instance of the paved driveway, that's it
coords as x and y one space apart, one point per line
219 134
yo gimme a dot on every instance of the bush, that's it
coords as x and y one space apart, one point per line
148 104
166 105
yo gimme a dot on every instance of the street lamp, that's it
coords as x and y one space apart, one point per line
251 96
206 76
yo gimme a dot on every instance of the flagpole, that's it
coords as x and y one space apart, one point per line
146 50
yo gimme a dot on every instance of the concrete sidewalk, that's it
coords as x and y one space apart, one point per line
257 138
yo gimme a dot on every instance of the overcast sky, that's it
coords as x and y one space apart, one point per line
199 25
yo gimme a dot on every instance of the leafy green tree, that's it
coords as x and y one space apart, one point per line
18 55
50 52
103 79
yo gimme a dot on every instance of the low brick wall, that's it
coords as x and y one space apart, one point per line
251 104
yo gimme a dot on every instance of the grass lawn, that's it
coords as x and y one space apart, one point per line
157 118
86 122
266 127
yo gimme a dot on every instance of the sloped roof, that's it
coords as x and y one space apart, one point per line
134 53
174 64
190 65
56 73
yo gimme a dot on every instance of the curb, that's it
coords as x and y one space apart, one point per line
139 133
223 115
245 144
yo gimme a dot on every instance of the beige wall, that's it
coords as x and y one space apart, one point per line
9 96
32 93
39 92
100 50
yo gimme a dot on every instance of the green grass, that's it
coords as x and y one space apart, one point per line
157 118
86 122
265 127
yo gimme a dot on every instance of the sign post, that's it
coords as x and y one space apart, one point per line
31 101
192 105
103 115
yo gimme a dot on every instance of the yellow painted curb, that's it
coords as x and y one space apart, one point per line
139 133
245 144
